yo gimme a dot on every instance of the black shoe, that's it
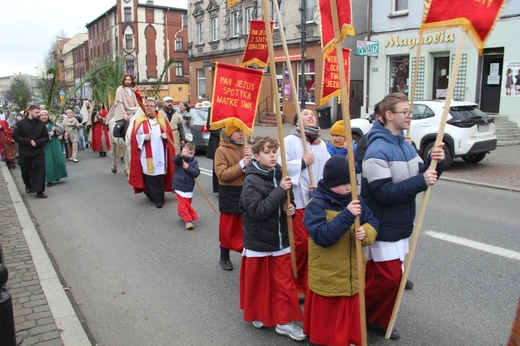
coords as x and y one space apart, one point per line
376 327
49 184
28 189
409 285
225 262
159 205
41 195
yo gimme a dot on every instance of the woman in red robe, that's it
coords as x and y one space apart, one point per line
100 139
7 146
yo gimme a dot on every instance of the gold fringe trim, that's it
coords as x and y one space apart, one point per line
346 30
461 22
233 121
253 61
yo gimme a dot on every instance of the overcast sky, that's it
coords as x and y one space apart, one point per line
28 27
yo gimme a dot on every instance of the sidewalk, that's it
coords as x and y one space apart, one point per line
43 313
500 169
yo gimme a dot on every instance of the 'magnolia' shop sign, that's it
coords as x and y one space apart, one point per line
436 37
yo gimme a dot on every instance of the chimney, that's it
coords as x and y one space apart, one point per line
149 2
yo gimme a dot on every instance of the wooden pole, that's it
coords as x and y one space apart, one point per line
294 93
269 34
415 75
426 196
350 148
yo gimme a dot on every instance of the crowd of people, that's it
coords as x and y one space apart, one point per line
255 201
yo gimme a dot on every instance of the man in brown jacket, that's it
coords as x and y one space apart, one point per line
176 124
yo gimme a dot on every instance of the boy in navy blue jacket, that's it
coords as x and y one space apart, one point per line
186 170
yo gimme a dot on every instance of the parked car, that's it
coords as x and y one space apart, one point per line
469 132
199 117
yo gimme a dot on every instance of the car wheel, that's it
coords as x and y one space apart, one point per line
475 158
448 157
355 137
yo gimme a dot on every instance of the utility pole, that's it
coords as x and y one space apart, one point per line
303 94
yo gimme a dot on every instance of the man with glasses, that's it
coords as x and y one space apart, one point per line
393 175
151 167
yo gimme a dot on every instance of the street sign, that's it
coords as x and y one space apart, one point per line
367 48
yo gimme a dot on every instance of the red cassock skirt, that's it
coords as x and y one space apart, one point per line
230 232
332 321
267 290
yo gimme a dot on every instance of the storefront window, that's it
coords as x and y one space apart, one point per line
307 80
399 74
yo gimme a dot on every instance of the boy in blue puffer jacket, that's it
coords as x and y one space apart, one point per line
186 170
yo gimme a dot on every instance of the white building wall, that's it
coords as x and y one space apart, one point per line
507 34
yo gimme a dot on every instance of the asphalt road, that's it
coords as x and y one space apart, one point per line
137 277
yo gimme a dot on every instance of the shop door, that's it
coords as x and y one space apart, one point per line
491 79
441 72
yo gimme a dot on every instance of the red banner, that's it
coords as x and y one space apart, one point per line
256 51
235 97
331 82
344 13
476 17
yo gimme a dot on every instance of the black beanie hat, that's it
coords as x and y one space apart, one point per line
336 171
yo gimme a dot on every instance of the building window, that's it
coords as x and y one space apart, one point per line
249 17
201 83
130 67
178 43
400 6
310 10
128 14
214 29
398 74
307 80
200 33
235 24
179 68
129 41
273 13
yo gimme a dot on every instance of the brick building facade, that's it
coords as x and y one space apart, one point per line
147 36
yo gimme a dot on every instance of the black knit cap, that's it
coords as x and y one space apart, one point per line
336 171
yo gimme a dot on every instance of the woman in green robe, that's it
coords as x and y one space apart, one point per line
55 168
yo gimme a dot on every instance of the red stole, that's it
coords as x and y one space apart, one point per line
135 178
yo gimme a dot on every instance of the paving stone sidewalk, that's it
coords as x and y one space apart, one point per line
33 318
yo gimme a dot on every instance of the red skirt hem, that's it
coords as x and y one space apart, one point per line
267 290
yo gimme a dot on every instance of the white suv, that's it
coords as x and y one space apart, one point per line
469 133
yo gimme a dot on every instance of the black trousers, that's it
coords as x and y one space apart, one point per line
154 187
33 172
215 180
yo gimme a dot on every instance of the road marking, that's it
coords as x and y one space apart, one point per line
207 172
495 250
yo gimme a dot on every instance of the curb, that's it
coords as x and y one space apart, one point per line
470 182
67 322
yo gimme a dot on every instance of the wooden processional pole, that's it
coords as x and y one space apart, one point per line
269 35
350 148
426 196
293 90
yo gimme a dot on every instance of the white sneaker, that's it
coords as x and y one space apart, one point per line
258 324
75 160
189 225
292 330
